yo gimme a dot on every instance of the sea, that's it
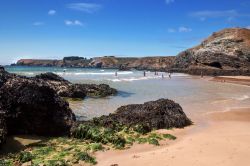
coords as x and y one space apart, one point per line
196 95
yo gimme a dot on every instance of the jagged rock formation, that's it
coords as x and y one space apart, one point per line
226 52
160 114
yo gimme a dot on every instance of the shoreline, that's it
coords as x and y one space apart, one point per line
222 142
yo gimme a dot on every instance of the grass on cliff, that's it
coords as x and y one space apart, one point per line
87 140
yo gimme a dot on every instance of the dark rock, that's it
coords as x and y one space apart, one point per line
51 77
3 129
4 76
94 90
66 89
32 107
160 114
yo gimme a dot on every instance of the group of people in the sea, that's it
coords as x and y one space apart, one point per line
156 73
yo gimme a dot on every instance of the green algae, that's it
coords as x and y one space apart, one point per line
85 141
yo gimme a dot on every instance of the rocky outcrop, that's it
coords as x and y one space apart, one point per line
66 89
32 107
226 52
160 114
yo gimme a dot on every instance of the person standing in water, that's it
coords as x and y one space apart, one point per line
116 74
201 74
162 76
144 73
169 75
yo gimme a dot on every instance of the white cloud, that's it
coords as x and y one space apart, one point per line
184 29
171 30
85 7
73 23
180 29
38 23
51 12
169 1
229 14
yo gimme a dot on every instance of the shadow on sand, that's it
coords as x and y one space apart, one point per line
15 144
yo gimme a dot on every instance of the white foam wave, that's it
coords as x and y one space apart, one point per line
94 73
131 79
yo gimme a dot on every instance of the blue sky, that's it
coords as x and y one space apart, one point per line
57 28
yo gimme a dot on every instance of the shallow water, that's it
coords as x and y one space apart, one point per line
196 96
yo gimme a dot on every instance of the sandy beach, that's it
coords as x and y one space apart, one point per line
223 142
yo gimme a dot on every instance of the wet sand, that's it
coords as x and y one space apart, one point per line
223 142
242 80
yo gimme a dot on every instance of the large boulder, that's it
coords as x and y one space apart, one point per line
32 107
160 114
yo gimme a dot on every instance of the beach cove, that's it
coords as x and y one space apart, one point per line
219 111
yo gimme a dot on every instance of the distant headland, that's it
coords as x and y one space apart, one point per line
226 52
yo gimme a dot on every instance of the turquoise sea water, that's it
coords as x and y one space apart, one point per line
197 96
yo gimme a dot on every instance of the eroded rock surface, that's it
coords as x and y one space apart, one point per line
226 52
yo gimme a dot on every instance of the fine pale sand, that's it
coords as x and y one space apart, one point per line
225 141
242 80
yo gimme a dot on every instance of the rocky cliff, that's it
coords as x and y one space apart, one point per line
65 62
226 52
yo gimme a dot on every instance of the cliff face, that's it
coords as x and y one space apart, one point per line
226 52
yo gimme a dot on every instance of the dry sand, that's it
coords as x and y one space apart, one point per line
224 142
